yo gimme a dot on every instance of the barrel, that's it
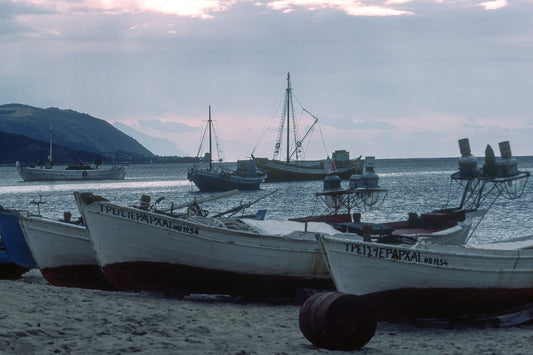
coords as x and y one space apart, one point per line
337 321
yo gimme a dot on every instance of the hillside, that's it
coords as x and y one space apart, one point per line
14 147
74 131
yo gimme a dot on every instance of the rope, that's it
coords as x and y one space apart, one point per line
275 109
201 142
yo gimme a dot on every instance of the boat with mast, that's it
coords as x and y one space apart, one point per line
71 172
294 167
246 177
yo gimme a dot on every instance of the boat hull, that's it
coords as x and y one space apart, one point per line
213 181
184 279
10 270
14 241
190 256
305 170
63 253
45 174
402 281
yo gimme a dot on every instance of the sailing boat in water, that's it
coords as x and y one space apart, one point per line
71 172
293 168
246 177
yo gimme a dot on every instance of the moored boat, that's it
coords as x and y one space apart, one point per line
246 177
50 172
81 172
294 167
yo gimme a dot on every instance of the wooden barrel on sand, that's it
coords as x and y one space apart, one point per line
337 321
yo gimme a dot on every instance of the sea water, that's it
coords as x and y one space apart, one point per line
413 185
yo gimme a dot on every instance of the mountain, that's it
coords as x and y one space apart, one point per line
76 132
14 147
158 146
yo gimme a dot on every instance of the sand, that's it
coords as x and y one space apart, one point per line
38 318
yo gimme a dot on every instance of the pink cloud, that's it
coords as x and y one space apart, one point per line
205 8
190 8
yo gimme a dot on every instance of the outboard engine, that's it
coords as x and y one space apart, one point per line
467 162
508 166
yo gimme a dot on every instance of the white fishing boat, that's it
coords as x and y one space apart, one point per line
143 250
63 253
408 277
430 280
50 172
73 172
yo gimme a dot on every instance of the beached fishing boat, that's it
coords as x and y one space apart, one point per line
13 239
428 279
49 172
294 167
407 277
143 250
9 269
446 226
63 253
246 177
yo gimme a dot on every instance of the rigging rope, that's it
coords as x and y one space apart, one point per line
201 142
218 144
275 109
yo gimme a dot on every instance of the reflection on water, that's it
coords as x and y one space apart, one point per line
414 185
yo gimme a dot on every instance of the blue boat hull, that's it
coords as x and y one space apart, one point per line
8 269
213 181
14 241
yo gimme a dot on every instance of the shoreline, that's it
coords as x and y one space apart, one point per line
41 318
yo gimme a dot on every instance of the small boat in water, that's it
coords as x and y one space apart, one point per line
63 253
246 177
81 171
73 172
294 167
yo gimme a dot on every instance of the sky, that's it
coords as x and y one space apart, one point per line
390 79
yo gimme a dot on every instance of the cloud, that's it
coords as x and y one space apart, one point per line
494 5
165 126
353 8
372 124
471 124
206 9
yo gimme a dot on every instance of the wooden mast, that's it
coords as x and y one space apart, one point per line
210 143
50 157
288 113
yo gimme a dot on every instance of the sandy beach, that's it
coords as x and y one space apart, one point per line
38 318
